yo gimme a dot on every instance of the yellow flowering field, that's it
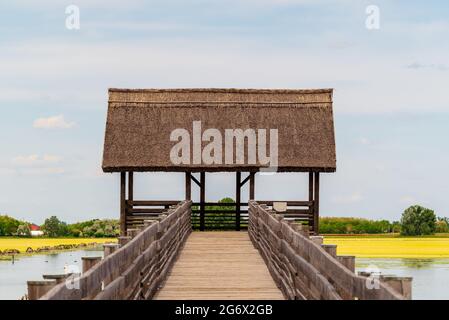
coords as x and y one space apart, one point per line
22 244
390 247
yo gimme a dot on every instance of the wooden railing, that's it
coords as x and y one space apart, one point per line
137 211
223 216
301 268
298 211
219 216
137 269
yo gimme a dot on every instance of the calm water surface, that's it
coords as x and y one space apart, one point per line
430 276
13 277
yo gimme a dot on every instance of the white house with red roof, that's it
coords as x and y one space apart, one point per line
35 230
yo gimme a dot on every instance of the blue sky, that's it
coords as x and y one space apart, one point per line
391 103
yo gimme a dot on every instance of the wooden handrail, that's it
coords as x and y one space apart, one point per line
300 267
137 269
141 203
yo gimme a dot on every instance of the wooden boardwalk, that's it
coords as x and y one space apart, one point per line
219 265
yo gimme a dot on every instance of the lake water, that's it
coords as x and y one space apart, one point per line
14 277
430 276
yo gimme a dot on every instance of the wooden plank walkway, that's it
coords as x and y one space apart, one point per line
219 265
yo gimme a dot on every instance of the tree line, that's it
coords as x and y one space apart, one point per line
53 227
416 220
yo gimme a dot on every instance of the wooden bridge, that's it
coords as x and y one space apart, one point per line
219 265
274 259
279 255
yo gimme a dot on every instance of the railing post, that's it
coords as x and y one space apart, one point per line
123 240
59 278
348 262
89 262
331 249
36 289
110 248
403 285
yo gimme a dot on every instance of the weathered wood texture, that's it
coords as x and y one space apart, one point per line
301 268
136 270
137 211
219 265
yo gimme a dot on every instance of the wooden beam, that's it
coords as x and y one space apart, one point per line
122 203
252 178
311 186
245 180
158 203
238 186
202 199
316 205
188 186
195 180
130 185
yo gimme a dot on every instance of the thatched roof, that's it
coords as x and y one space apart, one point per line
140 121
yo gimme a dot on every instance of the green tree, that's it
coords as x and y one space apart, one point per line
396 227
24 230
8 225
53 227
442 225
348 225
417 220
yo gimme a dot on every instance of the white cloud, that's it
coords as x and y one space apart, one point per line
51 158
52 123
35 160
417 66
349 199
198 63
25 160
364 141
42 171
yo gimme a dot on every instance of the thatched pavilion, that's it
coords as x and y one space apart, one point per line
140 123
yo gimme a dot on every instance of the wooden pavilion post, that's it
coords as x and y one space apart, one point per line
131 185
316 204
238 186
129 202
311 199
122 203
188 186
202 200
252 178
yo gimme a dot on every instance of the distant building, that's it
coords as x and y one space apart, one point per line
35 230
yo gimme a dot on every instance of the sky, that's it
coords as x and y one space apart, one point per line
391 101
